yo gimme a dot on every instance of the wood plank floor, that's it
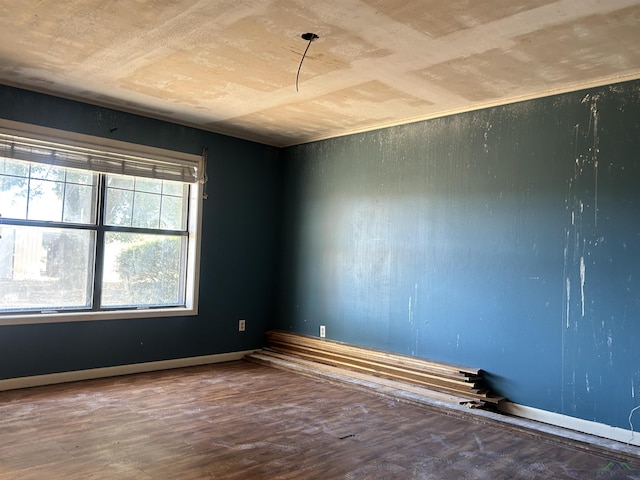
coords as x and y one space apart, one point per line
244 421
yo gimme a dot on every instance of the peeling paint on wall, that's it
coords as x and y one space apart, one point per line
583 277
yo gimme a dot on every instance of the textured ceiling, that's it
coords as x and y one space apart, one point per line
230 66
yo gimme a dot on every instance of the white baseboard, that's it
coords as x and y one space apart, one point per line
576 424
93 373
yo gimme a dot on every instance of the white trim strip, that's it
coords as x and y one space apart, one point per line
601 82
572 423
94 373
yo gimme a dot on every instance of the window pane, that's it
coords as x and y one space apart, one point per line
45 200
45 268
13 197
173 215
148 185
146 210
119 208
176 189
14 167
143 270
119 181
79 203
47 172
80 177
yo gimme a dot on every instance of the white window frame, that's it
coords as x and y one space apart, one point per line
194 227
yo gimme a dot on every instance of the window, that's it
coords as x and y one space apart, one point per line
90 234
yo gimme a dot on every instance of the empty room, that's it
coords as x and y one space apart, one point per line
320 240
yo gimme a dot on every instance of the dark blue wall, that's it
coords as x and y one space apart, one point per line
506 239
238 251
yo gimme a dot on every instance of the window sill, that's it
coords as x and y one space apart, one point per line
130 314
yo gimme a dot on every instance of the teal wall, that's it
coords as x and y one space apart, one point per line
239 247
506 239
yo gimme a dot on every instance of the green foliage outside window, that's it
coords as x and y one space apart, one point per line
151 270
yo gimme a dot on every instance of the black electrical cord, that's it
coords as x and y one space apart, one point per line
310 37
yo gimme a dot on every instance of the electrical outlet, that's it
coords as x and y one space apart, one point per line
241 325
323 331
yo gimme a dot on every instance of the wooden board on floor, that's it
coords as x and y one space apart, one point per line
457 381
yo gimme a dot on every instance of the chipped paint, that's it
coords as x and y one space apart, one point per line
583 277
568 301
587 384
594 150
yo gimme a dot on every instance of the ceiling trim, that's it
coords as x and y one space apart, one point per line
481 106
609 80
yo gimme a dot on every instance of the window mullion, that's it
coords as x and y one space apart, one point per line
28 192
98 267
64 196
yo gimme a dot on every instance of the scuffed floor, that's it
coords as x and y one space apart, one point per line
245 421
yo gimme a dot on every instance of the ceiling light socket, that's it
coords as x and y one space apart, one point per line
309 37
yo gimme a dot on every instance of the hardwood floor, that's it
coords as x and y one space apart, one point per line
245 421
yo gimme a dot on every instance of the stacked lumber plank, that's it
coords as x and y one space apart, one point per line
444 382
